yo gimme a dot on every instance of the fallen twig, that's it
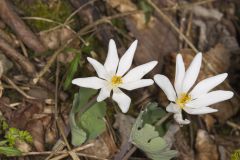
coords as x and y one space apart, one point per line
9 81
58 152
186 6
234 125
19 27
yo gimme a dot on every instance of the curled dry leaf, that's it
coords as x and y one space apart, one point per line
205 146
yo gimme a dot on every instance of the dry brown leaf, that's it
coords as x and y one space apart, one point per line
127 6
36 129
23 146
26 111
205 146
182 146
124 125
55 38
104 146
209 121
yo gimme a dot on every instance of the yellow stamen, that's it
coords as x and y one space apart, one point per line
116 80
183 99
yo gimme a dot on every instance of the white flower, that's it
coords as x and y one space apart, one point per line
194 101
112 76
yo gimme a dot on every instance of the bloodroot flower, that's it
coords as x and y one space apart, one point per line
113 76
194 101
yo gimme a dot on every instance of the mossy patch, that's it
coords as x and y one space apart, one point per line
57 11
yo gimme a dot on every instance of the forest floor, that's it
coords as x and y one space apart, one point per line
44 45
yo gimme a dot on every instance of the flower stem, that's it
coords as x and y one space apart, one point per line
163 119
87 106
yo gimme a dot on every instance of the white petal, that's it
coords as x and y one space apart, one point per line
210 98
112 59
207 84
104 93
173 108
101 72
179 74
138 72
201 110
178 118
126 60
122 100
164 83
137 84
89 82
192 73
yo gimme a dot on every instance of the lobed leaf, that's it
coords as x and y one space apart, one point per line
146 138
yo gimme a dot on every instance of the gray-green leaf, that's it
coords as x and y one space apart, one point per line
146 138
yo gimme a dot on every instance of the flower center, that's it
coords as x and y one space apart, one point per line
116 80
183 99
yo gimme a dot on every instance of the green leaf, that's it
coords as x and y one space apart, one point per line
146 138
72 69
10 151
146 8
92 120
91 123
78 135
152 115
3 142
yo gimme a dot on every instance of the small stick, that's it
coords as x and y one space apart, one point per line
234 125
10 82
58 152
163 119
130 152
19 27
24 50
77 10
185 6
